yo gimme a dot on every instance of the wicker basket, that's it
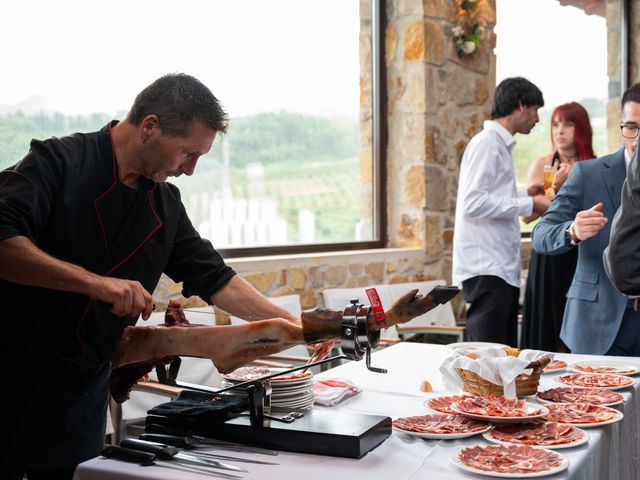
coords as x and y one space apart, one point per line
525 384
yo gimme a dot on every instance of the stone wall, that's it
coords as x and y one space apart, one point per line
309 274
436 103
614 71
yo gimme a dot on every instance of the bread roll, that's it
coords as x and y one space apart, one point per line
426 386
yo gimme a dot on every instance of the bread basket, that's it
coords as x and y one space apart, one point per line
525 384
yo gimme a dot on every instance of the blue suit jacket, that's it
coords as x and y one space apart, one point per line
594 307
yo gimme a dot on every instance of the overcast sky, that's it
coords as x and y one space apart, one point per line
87 56
560 49
84 56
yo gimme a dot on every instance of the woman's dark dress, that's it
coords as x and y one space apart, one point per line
544 298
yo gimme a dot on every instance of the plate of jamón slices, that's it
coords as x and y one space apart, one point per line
596 380
510 461
615 368
443 404
555 366
538 434
582 414
499 409
440 426
594 396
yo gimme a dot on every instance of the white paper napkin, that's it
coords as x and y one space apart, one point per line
493 365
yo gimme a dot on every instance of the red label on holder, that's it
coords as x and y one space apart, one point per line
376 306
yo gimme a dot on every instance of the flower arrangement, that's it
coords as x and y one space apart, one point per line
466 35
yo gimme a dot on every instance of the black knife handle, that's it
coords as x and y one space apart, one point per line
160 450
128 455
173 440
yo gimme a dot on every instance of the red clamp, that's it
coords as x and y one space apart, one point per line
376 306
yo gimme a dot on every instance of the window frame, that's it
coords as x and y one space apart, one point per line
378 203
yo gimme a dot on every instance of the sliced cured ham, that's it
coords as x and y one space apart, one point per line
580 413
603 369
555 365
596 380
437 423
543 434
594 396
495 407
443 404
232 346
510 459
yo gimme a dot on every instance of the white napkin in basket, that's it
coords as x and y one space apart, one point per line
493 365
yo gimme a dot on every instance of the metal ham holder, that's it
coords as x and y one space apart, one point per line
356 341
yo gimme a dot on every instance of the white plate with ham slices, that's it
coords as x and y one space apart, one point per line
538 434
499 409
245 374
440 426
594 396
614 368
555 366
583 415
510 461
443 404
596 380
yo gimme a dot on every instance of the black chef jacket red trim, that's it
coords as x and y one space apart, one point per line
65 196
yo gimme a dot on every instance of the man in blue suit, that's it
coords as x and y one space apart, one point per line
598 319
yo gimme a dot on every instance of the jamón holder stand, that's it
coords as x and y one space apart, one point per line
356 342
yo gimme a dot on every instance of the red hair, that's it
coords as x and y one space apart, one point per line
582 133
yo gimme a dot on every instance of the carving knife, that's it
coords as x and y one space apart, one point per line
146 459
167 452
188 443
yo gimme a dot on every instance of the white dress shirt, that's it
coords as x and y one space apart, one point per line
486 238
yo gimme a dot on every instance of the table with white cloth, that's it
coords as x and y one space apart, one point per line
612 452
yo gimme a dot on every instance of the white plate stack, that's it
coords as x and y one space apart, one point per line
293 391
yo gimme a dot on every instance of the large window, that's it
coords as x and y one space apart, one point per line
564 52
296 77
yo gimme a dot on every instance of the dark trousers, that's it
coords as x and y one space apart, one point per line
627 341
493 312
36 473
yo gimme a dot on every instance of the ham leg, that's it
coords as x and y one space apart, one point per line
232 346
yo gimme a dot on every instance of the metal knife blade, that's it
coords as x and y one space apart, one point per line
167 452
146 459
188 442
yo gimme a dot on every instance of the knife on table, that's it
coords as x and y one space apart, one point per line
167 452
146 459
189 443
199 440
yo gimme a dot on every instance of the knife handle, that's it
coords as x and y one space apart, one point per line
128 455
173 440
160 450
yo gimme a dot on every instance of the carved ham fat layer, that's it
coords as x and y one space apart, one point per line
232 346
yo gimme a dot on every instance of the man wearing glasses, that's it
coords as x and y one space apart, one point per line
598 319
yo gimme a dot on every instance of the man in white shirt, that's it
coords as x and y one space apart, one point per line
486 239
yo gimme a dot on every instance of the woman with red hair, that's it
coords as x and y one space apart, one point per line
550 275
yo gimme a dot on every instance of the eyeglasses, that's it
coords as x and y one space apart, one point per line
629 131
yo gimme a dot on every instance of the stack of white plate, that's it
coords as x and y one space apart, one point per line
293 391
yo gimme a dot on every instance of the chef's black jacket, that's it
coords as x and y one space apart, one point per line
56 347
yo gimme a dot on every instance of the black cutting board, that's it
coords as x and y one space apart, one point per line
320 432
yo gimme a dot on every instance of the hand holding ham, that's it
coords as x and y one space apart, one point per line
589 222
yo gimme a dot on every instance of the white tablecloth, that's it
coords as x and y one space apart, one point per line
613 451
